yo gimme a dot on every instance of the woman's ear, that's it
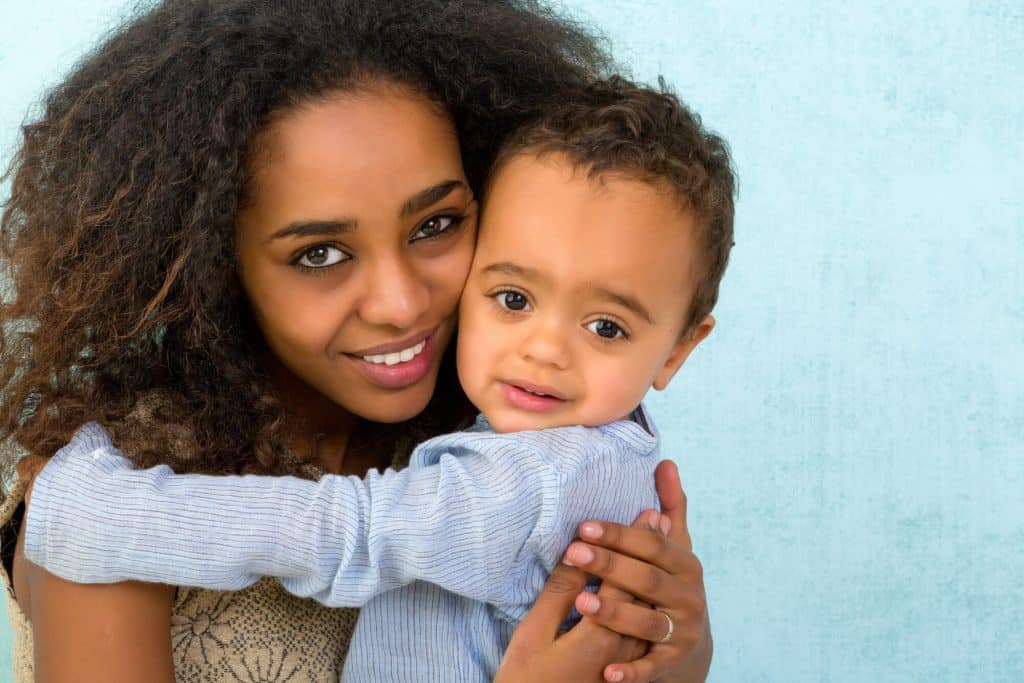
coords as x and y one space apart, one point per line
681 351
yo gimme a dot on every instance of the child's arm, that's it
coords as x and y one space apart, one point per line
468 524
340 540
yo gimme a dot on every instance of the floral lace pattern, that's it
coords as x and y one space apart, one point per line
261 634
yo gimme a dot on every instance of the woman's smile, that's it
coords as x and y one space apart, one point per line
399 364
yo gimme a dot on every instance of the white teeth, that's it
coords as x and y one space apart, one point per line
403 356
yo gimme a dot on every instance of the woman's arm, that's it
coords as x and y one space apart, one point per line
104 633
643 561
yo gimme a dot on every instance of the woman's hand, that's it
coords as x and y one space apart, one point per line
538 653
613 640
653 561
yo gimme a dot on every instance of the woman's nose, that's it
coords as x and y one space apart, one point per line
396 294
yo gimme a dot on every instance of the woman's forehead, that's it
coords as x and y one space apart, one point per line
372 149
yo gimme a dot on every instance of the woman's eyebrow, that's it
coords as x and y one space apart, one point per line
312 228
429 196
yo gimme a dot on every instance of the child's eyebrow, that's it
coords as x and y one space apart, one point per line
509 268
624 300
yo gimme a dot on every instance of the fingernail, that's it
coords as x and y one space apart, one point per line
588 604
653 521
615 676
591 530
666 525
580 554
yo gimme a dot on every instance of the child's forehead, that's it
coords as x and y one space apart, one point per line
564 177
551 195
569 230
553 182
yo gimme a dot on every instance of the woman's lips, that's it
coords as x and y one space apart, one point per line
403 373
527 396
392 347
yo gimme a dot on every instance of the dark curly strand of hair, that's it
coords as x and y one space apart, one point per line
616 125
118 235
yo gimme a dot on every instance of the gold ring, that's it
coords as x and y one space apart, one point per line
671 626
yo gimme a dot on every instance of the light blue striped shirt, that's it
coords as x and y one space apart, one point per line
446 556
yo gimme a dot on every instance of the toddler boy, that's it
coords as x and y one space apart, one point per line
605 231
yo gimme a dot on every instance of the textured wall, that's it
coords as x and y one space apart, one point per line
851 435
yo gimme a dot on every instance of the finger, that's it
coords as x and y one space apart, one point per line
625 617
639 542
646 581
610 591
673 501
650 667
553 602
641 670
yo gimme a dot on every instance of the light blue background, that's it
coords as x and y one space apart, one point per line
851 435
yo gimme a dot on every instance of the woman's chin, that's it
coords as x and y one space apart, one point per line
399 406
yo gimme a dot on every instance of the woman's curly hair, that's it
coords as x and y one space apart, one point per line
118 237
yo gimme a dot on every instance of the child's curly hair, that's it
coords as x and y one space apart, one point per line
118 237
617 125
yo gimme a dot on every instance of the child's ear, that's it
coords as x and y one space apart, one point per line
681 351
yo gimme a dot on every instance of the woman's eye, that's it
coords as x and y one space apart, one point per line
432 227
606 329
513 301
321 256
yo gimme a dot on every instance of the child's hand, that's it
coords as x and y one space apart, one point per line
653 561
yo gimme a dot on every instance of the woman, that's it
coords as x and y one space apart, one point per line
220 214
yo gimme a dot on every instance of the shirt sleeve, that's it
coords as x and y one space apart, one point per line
465 523
612 485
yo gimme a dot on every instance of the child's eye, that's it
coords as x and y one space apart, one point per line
512 300
321 256
606 329
435 226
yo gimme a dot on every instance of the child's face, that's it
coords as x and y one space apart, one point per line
576 300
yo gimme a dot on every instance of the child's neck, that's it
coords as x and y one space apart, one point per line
635 415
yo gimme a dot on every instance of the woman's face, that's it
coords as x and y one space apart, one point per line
353 251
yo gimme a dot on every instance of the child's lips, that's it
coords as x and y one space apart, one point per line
541 390
533 398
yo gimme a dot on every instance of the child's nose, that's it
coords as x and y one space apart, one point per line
546 343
